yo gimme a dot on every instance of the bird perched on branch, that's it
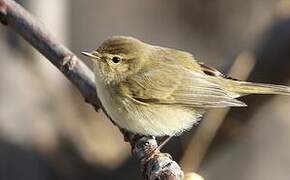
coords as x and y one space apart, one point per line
152 90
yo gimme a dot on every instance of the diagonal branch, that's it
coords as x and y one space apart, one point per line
156 166
31 30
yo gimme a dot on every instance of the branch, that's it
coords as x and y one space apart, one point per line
153 166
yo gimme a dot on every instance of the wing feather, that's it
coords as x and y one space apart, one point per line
172 85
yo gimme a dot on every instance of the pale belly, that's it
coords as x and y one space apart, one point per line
156 120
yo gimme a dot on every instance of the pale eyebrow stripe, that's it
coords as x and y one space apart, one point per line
117 50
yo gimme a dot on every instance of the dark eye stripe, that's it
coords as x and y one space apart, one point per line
130 59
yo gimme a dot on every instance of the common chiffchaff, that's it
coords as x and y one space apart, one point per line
152 90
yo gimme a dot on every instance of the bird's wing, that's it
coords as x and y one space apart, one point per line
177 85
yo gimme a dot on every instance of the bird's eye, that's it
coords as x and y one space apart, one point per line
116 59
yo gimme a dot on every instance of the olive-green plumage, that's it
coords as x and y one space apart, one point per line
159 91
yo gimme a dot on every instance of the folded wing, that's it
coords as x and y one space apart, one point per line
177 85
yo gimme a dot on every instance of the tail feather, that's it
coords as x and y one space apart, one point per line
244 88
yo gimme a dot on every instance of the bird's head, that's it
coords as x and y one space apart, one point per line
118 57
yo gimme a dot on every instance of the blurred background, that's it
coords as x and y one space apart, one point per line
48 132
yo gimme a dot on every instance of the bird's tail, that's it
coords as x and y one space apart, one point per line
244 88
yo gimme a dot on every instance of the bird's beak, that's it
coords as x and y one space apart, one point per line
93 55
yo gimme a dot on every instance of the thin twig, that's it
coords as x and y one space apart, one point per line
153 166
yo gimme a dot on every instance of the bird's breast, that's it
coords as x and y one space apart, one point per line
145 119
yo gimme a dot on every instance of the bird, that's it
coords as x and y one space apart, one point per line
159 91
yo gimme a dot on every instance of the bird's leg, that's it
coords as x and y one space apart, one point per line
163 143
160 146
